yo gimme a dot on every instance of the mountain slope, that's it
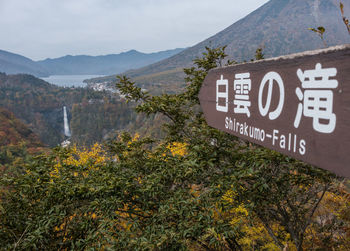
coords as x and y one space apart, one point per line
13 131
93 115
280 26
102 65
12 63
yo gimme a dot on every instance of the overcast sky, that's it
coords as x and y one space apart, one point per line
40 29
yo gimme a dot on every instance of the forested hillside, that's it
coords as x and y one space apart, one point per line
93 115
13 131
17 143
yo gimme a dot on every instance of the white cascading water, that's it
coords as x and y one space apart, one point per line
66 126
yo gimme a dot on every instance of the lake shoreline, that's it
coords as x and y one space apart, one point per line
69 80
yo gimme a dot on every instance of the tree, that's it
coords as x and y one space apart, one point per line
274 188
196 188
320 32
345 20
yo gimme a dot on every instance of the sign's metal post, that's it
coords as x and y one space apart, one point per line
298 105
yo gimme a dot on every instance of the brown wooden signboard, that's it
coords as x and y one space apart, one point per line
298 105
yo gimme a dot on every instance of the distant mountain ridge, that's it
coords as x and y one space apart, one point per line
103 65
12 63
279 26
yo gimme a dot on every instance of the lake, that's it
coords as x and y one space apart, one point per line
69 80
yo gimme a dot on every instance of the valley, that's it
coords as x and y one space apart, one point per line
92 114
98 110
176 149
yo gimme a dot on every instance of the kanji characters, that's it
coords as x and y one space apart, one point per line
222 94
270 78
315 103
242 86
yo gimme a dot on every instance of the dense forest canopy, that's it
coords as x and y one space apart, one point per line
93 115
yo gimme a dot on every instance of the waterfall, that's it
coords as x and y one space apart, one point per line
66 126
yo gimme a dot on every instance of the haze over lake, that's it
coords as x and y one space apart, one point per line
69 80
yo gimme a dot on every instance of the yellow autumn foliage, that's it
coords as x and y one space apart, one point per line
178 148
335 207
89 158
253 230
86 157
